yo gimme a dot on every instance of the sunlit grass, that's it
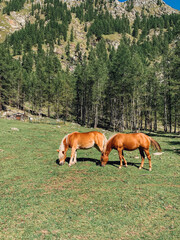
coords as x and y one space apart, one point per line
42 200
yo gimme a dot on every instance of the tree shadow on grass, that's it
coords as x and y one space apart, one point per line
163 134
176 150
112 163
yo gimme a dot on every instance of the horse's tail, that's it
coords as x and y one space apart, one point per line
155 145
104 143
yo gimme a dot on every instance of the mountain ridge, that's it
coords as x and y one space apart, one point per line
17 20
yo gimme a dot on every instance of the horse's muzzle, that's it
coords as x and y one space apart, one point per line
61 163
102 165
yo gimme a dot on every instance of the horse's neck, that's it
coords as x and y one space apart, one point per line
109 147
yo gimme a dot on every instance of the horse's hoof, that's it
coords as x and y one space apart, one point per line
140 168
150 169
69 165
126 165
119 167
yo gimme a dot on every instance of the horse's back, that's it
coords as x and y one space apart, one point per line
144 140
131 141
85 140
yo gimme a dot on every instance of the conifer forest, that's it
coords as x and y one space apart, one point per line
134 86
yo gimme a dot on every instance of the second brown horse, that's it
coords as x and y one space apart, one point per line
130 142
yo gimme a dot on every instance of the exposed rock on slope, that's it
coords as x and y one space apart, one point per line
149 7
16 20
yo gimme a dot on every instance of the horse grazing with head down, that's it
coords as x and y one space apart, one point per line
77 141
130 142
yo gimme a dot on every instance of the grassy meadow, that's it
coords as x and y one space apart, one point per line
41 200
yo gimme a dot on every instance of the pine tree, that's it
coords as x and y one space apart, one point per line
72 35
117 85
135 31
27 62
175 85
67 49
85 27
39 84
9 68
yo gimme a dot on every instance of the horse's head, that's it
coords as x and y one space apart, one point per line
61 156
104 159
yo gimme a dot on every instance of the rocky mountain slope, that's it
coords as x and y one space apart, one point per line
150 7
16 20
130 7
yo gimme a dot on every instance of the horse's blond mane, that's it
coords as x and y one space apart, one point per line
61 147
104 143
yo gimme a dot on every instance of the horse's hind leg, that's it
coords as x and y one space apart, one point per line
149 158
125 163
142 158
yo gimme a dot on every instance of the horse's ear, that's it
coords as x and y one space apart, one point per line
57 150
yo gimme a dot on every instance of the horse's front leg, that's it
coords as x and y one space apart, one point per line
73 153
142 158
75 157
120 157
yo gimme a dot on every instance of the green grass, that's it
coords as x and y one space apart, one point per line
42 200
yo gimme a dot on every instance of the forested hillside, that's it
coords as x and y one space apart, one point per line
92 62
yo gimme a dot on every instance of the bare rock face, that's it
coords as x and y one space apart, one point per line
150 7
19 19
160 5
144 2
71 3
16 21
118 8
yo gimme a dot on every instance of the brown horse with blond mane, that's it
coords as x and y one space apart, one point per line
130 142
77 141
